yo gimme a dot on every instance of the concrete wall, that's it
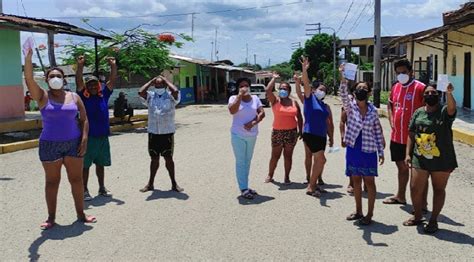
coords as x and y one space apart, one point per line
187 91
11 88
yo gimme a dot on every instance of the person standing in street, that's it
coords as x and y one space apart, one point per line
317 127
308 159
247 111
161 103
287 127
405 98
364 141
63 140
430 153
95 96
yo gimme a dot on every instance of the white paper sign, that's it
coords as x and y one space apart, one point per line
350 71
27 45
443 82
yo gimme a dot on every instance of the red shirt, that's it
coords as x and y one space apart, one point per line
405 100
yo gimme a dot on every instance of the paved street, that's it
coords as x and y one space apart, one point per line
208 221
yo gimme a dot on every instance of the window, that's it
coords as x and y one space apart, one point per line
453 70
371 51
362 50
187 81
207 81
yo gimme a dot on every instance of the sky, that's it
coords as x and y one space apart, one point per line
268 28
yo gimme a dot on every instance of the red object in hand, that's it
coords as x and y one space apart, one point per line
41 47
168 38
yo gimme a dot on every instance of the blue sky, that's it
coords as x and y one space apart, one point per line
268 27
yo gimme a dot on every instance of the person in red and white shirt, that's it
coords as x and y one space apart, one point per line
405 97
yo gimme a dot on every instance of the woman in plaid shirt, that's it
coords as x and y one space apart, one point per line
365 141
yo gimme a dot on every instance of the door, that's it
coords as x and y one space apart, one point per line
467 80
195 86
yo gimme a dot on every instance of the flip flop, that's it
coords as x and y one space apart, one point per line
316 193
431 228
88 219
365 221
147 188
393 201
47 225
350 190
354 216
412 222
269 179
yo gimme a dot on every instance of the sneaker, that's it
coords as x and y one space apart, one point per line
105 193
87 196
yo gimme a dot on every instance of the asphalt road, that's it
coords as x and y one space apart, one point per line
208 221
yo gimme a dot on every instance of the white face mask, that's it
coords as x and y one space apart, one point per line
403 78
320 94
56 83
160 91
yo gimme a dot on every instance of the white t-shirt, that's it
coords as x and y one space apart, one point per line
247 112
161 112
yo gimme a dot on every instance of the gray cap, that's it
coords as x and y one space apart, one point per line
91 78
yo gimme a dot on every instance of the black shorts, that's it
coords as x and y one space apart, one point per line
314 143
160 145
397 151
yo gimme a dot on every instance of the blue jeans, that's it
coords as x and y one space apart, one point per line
243 152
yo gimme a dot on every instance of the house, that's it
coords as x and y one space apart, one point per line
11 80
364 47
446 49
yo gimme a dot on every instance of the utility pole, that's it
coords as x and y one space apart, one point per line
295 45
192 25
313 27
247 53
377 53
254 60
1 7
215 44
268 62
212 51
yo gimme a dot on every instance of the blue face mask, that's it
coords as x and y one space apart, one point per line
283 93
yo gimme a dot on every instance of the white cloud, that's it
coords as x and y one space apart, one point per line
264 36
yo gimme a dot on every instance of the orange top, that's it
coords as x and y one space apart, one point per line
284 117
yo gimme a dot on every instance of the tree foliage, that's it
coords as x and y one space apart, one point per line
255 67
284 69
136 50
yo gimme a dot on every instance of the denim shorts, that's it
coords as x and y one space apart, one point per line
54 150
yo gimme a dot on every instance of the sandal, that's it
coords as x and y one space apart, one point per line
350 190
87 219
431 228
393 201
269 179
412 222
316 193
247 194
365 221
47 225
354 216
147 188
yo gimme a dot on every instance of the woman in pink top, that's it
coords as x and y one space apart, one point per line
287 127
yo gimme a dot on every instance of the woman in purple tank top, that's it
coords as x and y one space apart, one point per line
63 139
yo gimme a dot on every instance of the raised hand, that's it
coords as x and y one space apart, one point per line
304 62
111 61
275 75
81 60
450 88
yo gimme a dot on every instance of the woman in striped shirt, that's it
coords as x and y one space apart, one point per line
364 140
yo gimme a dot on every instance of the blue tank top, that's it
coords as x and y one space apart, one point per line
315 116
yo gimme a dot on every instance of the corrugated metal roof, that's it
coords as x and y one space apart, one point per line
30 24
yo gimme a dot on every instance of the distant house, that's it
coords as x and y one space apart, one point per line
11 80
446 49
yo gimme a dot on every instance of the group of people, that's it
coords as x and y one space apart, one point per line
76 130
421 138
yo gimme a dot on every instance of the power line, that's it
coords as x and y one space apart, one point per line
357 21
347 13
180 14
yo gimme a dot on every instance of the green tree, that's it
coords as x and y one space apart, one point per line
295 59
255 67
284 69
136 50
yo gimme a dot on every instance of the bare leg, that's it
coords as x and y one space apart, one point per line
85 178
53 177
99 170
73 168
170 166
369 181
439 181
319 161
288 155
419 178
308 162
358 193
276 153
154 165
403 177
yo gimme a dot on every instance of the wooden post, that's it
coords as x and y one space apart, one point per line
412 55
52 58
96 71
445 53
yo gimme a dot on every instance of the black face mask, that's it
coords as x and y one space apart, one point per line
361 94
431 100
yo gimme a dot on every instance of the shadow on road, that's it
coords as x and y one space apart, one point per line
330 195
102 201
293 185
377 228
450 236
158 194
331 186
259 199
58 232
379 195
6 178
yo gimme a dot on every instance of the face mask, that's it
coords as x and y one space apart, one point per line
56 83
320 94
246 91
102 78
283 93
361 94
403 78
160 91
431 100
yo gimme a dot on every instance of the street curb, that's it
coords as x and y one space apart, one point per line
463 136
17 146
